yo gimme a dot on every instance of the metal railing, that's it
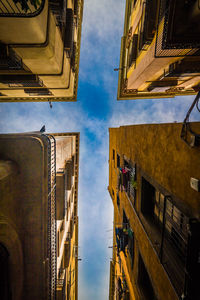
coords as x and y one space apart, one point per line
128 180
58 8
9 60
38 92
52 253
176 248
61 277
21 81
21 8
174 243
161 48
61 281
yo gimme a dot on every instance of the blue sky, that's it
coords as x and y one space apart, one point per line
95 111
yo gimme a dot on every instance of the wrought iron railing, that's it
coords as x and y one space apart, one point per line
21 8
52 253
58 8
21 81
61 277
61 282
9 59
148 24
38 92
162 48
174 243
175 248
127 179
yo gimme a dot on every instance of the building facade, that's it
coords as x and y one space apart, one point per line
160 54
38 216
154 183
39 49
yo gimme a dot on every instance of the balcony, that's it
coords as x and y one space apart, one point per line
175 237
23 24
61 285
127 180
21 81
60 195
17 8
148 27
183 68
9 60
51 229
162 85
178 30
67 251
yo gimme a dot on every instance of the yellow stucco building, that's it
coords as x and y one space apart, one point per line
154 183
39 50
160 54
39 216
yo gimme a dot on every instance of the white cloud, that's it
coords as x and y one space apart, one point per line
100 46
102 30
152 111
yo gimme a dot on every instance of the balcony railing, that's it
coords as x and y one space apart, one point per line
61 277
148 23
21 8
52 253
61 283
127 180
58 8
169 41
21 81
38 92
175 239
8 59
66 19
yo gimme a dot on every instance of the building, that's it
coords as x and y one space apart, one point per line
39 49
154 183
160 49
39 216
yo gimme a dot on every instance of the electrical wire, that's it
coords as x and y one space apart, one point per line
186 123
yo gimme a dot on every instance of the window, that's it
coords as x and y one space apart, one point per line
148 198
76 7
148 24
118 161
134 2
125 220
113 157
69 30
131 245
133 50
144 281
118 200
113 193
113 154
130 237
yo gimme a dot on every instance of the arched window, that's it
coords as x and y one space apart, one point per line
5 292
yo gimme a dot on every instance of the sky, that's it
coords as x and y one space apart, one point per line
94 112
